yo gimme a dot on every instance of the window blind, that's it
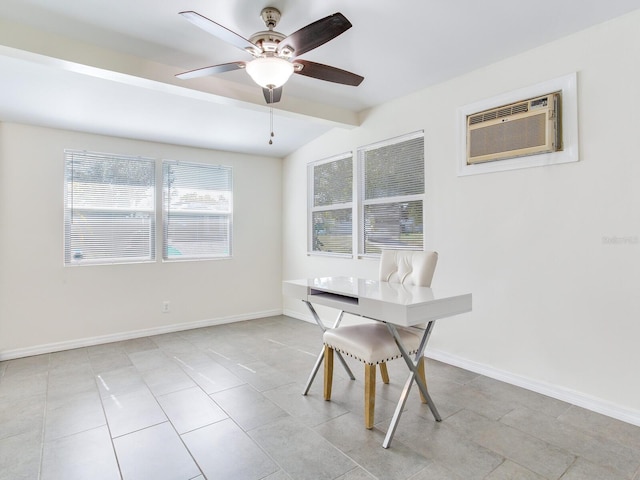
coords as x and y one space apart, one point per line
109 214
197 211
392 193
331 205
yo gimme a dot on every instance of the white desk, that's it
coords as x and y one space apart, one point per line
392 303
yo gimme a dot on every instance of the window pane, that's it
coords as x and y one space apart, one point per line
111 236
393 225
330 214
393 194
394 170
333 182
109 208
197 204
332 231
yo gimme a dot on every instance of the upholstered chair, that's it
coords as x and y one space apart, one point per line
372 343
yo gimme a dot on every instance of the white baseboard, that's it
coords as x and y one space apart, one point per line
554 391
130 335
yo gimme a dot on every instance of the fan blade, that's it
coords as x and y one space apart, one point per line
203 72
273 95
327 73
219 31
315 34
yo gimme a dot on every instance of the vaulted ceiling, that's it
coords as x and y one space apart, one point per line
109 67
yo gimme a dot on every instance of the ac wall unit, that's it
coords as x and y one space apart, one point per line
523 128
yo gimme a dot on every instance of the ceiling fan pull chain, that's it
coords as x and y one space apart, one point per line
271 116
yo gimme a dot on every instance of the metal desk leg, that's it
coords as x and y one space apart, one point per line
320 358
413 376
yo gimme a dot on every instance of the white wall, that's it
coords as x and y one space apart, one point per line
556 307
46 306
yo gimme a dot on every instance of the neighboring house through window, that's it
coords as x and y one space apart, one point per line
197 211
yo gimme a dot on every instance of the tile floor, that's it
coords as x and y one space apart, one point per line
225 402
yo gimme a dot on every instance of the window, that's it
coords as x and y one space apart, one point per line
109 214
391 176
197 211
331 205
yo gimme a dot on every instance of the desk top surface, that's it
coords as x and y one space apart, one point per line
393 302
371 289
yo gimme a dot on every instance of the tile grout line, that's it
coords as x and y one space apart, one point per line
44 417
155 397
104 412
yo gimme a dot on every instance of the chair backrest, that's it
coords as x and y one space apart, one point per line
408 267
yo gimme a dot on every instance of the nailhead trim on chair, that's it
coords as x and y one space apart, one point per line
411 352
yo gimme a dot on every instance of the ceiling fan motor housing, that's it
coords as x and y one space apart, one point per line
267 40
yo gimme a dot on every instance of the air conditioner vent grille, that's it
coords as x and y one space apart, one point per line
507 111
504 112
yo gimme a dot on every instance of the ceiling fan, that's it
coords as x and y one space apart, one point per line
275 54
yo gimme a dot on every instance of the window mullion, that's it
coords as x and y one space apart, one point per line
336 206
398 199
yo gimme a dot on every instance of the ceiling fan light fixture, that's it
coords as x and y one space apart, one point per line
270 72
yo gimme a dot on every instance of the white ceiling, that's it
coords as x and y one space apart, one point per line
108 66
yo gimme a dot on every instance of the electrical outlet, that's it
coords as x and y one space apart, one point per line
166 306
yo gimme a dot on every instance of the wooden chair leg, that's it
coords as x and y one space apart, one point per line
384 373
369 394
328 371
422 377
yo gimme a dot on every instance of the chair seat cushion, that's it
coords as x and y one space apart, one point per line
371 343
